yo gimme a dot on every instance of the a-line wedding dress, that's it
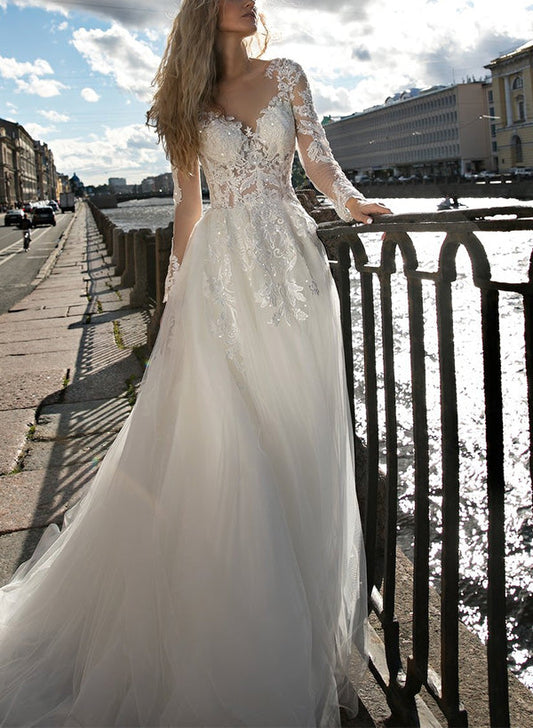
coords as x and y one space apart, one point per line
213 574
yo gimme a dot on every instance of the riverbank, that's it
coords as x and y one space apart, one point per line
522 191
518 190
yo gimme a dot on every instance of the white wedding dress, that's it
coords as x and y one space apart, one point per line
213 574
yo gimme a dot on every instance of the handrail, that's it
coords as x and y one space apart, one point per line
346 250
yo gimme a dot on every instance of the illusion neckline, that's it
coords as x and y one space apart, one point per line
246 130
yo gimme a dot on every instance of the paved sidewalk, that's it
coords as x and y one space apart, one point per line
70 356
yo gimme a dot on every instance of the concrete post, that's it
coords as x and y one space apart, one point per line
163 243
128 276
108 236
139 292
119 251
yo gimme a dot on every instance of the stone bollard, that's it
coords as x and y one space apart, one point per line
150 257
163 243
128 276
108 236
119 251
139 293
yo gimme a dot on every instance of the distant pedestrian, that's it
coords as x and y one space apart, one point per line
25 225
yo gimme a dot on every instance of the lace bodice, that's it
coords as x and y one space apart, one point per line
256 226
252 166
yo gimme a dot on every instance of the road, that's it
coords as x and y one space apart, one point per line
18 268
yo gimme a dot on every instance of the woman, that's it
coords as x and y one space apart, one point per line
213 574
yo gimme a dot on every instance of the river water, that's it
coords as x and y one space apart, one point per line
508 255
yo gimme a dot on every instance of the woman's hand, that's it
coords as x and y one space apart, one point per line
363 211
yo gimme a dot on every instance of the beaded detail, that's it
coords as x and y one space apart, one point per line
249 176
173 268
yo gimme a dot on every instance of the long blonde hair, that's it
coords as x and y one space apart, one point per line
186 79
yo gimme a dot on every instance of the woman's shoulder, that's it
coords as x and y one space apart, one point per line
286 70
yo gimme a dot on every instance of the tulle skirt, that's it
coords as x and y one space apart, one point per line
213 573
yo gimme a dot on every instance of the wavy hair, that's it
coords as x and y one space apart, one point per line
186 79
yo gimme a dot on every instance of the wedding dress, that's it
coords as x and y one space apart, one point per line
213 574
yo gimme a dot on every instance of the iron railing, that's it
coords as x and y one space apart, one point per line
367 301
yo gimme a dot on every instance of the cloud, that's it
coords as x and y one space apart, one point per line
381 47
29 76
36 131
43 87
13 69
361 53
90 95
118 53
132 15
128 151
54 115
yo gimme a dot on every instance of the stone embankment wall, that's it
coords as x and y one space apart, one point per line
141 260
506 190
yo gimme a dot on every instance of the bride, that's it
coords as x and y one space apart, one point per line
213 574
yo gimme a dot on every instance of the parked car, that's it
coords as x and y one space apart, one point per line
43 216
487 175
522 172
13 217
363 179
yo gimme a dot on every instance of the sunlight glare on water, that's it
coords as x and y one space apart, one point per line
508 255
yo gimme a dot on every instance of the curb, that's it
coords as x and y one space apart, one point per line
49 263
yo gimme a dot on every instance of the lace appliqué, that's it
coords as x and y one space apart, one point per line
173 268
176 195
218 289
317 156
263 240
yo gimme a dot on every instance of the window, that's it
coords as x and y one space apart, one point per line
516 151
517 83
520 108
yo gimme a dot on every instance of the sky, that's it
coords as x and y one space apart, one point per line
77 73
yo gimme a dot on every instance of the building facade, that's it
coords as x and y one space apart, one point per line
442 131
8 165
512 107
25 173
45 171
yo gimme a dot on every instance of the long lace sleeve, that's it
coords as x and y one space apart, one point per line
173 264
313 147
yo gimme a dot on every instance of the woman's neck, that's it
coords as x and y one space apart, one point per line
232 58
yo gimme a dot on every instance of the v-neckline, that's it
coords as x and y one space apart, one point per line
245 129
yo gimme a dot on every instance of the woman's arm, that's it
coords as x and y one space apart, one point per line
188 208
317 158
187 212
